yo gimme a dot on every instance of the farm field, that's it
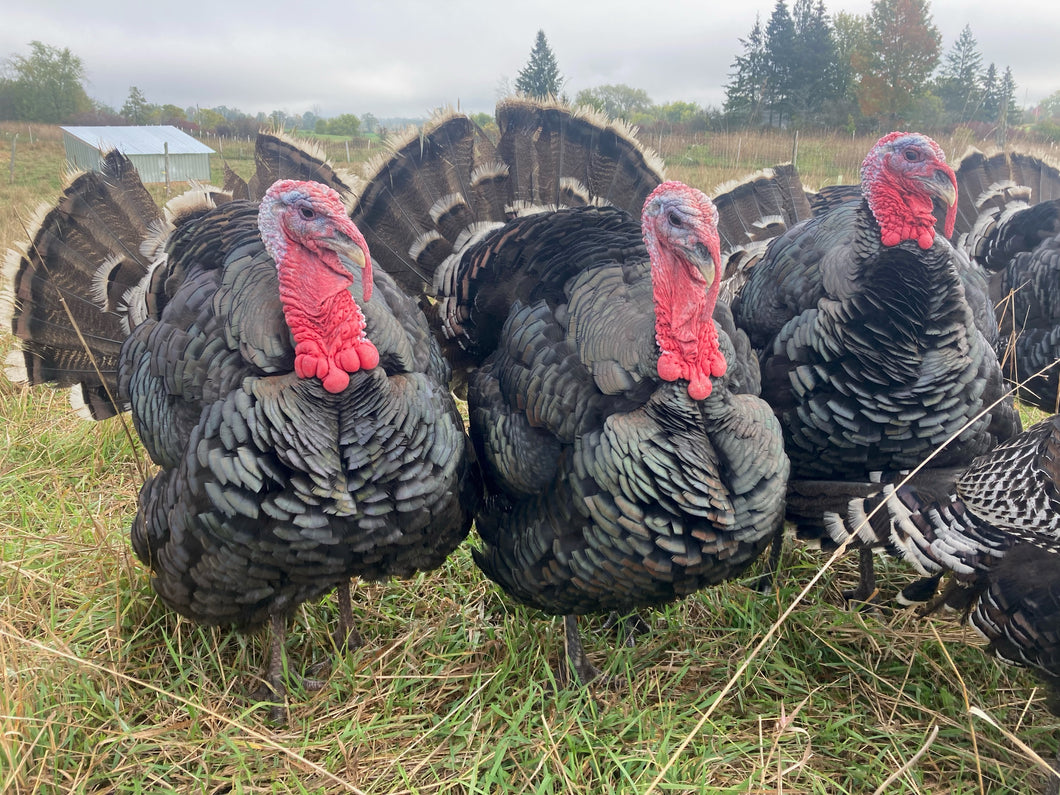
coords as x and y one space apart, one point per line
454 691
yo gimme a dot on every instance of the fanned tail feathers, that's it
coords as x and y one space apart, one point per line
75 290
751 212
68 284
279 156
448 184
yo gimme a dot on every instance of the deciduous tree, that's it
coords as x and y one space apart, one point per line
617 101
47 85
894 63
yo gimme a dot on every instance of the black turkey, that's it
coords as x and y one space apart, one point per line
1008 220
624 465
876 339
297 407
995 526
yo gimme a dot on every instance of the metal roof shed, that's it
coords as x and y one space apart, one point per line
148 148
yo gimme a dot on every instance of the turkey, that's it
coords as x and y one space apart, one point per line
1008 220
625 465
995 526
296 405
876 339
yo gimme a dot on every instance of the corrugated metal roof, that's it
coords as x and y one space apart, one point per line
147 140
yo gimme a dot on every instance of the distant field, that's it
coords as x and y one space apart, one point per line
105 691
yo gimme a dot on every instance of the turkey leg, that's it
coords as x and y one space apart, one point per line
347 638
578 666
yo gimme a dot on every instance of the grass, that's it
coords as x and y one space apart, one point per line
454 691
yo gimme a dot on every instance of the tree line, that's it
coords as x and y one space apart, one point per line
804 68
883 69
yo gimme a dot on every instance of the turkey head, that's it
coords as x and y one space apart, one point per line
305 228
680 226
901 177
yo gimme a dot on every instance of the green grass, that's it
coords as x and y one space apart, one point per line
454 690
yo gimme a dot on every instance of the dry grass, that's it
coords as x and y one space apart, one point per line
106 691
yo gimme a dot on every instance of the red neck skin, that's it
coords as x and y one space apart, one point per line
327 324
905 212
902 216
684 323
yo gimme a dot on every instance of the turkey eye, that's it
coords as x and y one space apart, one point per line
307 213
675 219
912 155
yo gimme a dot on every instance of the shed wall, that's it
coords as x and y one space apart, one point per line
183 166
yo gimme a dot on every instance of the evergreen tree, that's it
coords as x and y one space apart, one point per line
540 78
743 94
1010 111
990 109
136 110
780 50
851 33
815 69
958 85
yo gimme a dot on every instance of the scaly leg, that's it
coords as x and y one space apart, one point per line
275 689
1052 784
866 590
347 638
579 669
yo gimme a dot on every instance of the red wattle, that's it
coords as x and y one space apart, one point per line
326 323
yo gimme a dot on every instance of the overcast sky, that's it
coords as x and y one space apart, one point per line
406 58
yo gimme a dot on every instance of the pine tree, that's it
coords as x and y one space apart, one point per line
958 85
815 81
743 94
136 110
1011 113
851 33
780 48
540 78
989 110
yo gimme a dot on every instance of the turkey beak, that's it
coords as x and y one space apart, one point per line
340 243
945 183
352 245
701 256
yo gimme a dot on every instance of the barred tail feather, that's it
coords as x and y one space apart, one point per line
442 186
66 287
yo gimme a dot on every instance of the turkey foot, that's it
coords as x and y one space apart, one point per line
273 689
1052 784
627 627
765 582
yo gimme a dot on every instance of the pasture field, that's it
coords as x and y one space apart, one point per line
454 691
